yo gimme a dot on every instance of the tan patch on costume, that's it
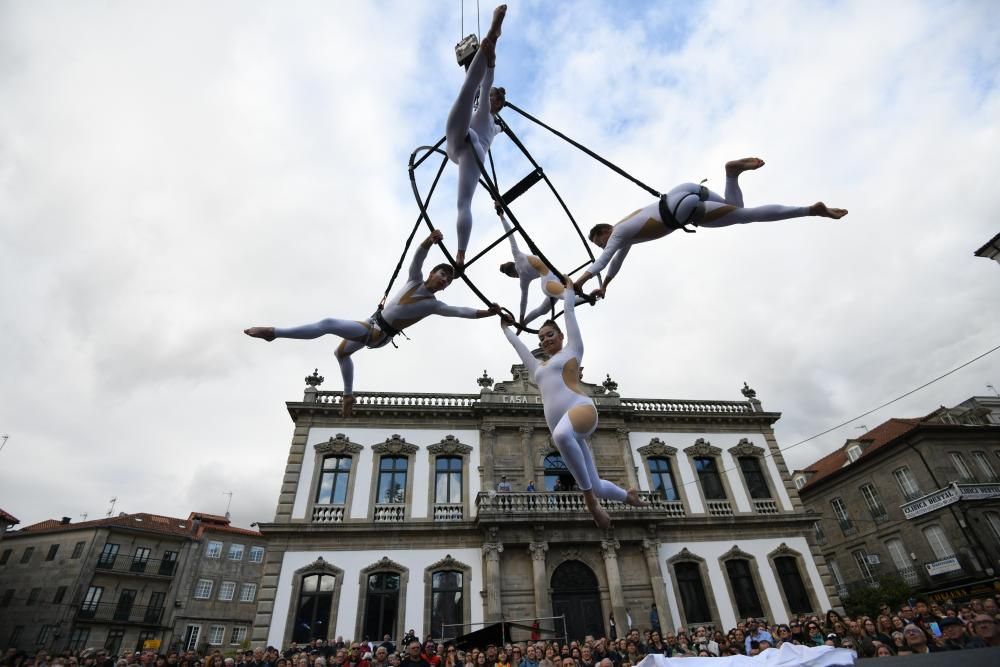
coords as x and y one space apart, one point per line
401 324
408 297
553 288
571 376
583 418
628 217
722 211
653 228
538 265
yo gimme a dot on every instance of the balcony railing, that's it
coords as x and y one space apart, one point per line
765 506
669 405
390 513
495 505
719 508
117 612
378 399
847 526
949 495
909 574
448 511
141 566
880 515
328 514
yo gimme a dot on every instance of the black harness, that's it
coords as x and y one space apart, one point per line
388 332
670 217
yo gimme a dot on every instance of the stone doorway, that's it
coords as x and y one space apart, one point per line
575 595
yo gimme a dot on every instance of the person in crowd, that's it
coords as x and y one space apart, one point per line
918 641
883 651
657 645
755 632
986 627
954 637
413 656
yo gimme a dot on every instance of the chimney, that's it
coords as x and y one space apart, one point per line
65 520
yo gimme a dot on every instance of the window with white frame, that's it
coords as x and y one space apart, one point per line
227 590
203 589
256 555
901 559
238 635
938 542
993 520
216 634
985 466
800 481
907 483
873 501
840 511
191 634
853 453
864 565
235 552
961 467
248 592
213 549
838 578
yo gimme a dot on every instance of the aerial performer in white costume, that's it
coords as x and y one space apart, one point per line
476 124
412 303
569 412
692 204
527 268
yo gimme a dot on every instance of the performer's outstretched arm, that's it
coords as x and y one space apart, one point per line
522 350
420 254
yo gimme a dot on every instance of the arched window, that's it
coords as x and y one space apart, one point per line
662 475
448 481
692 590
312 618
333 480
754 476
708 474
792 585
392 482
381 604
556 472
744 590
446 603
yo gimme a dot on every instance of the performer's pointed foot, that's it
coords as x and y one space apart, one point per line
498 16
347 406
264 333
601 518
634 500
737 167
459 263
822 210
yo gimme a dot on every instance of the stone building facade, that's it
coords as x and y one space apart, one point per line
391 520
919 498
120 582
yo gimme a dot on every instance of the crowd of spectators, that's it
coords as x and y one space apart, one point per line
910 629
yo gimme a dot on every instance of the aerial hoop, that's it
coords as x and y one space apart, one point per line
490 183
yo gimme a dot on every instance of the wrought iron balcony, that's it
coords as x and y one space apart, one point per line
953 493
567 503
880 515
122 564
118 612
847 527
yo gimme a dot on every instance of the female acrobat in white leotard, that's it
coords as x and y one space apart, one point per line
478 125
415 301
527 268
569 412
687 207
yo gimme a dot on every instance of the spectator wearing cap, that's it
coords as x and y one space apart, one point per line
954 636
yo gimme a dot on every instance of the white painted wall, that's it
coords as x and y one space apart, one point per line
421 472
712 551
352 562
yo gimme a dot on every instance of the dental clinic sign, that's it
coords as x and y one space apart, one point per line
943 566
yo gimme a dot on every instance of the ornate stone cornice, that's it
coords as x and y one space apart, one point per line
736 552
686 555
657 447
702 447
385 563
783 550
448 563
609 549
538 550
395 445
320 565
339 444
572 553
650 548
746 448
450 445
492 550
526 430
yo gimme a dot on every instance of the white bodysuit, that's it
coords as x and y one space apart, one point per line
558 380
646 224
408 306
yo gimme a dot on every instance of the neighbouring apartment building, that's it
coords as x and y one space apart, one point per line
443 512
919 498
128 581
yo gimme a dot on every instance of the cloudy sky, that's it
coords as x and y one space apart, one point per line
171 173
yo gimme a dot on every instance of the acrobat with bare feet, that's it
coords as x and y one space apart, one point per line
415 301
688 204
465 120
569 412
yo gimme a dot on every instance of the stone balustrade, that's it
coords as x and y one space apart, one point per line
492 505
448 511
328 514
719 508
390 513
765 506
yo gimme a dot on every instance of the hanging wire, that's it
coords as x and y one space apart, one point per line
479 26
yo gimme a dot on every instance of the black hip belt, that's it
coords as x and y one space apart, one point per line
669 217
388 331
